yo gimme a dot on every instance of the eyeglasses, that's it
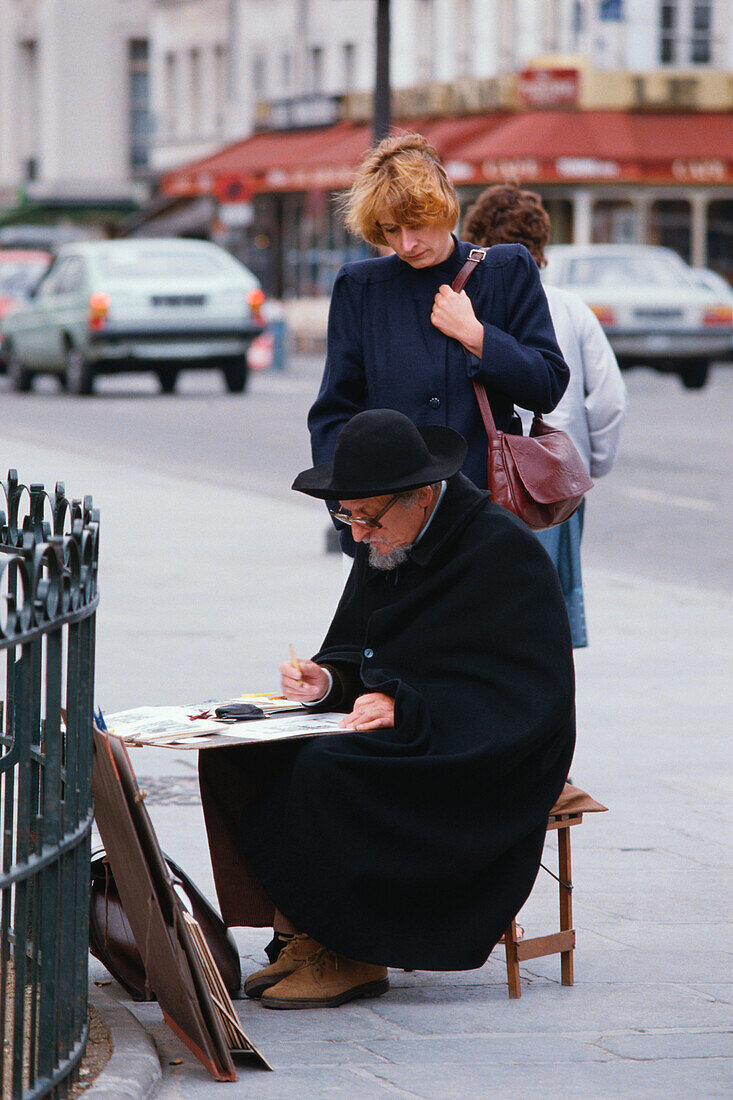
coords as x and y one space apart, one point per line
371 523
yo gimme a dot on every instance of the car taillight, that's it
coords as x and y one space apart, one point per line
718 315
605 315
255 301
97 311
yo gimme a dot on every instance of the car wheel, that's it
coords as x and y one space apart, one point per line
20 375
694 374
236 375
167 376
79 374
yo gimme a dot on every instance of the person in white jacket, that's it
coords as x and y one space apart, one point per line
593 406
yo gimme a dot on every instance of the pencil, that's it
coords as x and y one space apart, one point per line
294 662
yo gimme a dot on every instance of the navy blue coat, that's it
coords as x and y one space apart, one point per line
384 352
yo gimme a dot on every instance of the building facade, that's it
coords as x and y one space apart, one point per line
194 48
74 102
537 91
221 68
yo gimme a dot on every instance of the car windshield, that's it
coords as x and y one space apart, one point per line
18 277
625 270
158 263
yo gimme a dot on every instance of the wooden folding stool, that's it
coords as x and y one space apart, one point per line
567 812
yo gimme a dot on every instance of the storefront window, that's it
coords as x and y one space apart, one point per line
613 222
317 244
720 237
669 225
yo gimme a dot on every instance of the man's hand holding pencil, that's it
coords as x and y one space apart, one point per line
302 681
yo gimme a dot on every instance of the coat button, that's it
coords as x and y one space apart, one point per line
434 402
368 652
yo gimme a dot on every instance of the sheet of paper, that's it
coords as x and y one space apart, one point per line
145 725
274 729
271 729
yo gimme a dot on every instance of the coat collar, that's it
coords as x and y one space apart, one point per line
447 270
461 502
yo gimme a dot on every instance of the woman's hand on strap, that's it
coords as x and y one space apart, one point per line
306 684
371 712
453 314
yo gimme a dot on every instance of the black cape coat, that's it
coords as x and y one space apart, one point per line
415 846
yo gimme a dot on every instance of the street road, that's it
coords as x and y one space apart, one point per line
663 514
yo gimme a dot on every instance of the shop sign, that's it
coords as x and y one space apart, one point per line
548 87
459 171
309 179
298 112
703 170
510 168
233 188
586 168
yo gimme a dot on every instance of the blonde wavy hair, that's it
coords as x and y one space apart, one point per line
403 175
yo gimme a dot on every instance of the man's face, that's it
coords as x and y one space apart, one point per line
398 527
418 245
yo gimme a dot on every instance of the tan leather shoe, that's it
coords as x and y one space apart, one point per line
301 949
327 981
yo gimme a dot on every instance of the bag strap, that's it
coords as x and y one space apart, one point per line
485 409
475 257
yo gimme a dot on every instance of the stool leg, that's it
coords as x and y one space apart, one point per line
566 901
512 965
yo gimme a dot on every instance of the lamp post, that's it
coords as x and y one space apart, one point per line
382 115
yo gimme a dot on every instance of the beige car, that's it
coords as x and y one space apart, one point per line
652 306
153 304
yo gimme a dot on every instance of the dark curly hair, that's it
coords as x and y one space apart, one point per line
507 215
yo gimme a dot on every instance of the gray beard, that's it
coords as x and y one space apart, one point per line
387 561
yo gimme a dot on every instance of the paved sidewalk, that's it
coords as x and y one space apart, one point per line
650 1014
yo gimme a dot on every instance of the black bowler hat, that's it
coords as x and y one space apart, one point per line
381 451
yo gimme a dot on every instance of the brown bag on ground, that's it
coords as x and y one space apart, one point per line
112 942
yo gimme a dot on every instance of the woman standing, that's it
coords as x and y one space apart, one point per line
399 337
593 407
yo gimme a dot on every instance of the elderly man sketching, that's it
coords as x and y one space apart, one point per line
412 838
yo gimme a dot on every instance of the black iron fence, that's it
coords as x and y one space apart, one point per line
48 598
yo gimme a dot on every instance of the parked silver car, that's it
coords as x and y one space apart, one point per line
142 304
653 309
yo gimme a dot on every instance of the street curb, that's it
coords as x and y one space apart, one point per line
133 1072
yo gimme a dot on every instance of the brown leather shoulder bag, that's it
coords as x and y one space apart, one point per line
539 477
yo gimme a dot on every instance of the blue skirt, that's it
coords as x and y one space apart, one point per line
562 543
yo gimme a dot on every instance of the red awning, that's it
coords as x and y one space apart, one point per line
548 146
533 146
270 161
303 160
